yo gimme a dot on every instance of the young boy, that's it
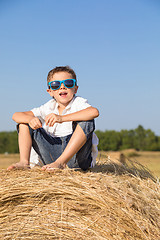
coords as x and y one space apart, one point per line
60 131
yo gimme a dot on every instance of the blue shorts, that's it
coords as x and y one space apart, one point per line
49 148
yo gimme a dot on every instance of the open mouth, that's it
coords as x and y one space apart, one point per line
63 94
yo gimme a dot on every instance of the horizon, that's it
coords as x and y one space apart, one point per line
102 130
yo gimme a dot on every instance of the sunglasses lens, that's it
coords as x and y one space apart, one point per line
55 85
69 83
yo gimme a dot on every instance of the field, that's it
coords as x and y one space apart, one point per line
7 159
151 160
113 201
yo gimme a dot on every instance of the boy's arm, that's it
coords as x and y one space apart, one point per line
27 117
82 115
23 117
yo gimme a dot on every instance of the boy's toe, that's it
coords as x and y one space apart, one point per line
44 168
11 167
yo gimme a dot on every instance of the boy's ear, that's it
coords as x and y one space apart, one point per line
76 89
49 91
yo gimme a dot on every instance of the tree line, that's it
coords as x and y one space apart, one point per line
9 142
139 139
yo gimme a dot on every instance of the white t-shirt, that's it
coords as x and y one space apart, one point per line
61 129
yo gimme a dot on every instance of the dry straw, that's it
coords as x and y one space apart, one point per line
112 201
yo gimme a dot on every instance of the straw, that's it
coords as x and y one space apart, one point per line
109 202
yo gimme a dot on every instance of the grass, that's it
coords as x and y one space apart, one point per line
7 159
151 160
133 154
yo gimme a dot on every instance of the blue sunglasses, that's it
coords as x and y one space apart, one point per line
68 83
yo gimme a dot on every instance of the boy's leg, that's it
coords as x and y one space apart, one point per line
25 144
82 136
47 147
77 140
84 155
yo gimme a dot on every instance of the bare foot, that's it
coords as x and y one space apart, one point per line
52 166
18 165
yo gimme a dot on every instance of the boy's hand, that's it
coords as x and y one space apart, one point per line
52 118
35 123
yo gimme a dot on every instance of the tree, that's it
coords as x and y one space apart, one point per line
138 138
8 142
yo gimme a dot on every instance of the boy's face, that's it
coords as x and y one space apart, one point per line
63 95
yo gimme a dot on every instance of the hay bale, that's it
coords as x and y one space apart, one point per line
70 204
117 157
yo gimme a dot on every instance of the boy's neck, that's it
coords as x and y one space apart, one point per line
61 108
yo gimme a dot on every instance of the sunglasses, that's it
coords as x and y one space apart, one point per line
68 83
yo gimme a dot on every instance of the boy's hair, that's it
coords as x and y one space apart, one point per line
61 69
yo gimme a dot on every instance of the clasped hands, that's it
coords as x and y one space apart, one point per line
50 120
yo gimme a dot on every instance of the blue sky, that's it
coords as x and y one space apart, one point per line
114 47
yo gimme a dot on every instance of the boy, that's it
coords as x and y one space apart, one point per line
60 131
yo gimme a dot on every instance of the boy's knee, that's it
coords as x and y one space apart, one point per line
24 127
21 126
87 126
